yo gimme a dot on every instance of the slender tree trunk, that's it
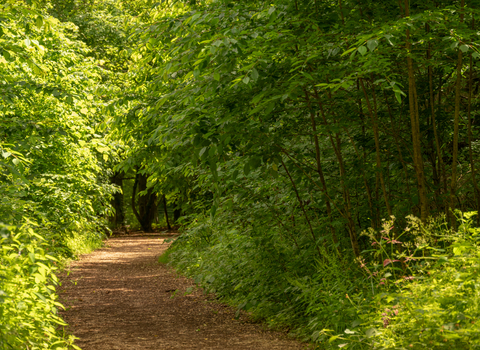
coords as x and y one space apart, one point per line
456 122
415 123
134 194
147 205
177 212
441 166
303 210
118 219
365 182
444 171
397 144
341 12
165 209
476 191
319 167
379 174
346 195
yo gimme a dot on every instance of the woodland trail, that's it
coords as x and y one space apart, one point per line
120 297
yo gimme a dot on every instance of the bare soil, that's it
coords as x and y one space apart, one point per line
120 297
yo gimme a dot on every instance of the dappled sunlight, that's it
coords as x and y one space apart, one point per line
122 296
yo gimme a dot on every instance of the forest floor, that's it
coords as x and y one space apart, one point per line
120 297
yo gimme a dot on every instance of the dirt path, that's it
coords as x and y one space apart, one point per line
119 297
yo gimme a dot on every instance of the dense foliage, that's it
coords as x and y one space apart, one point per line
53 188
322 154
301 125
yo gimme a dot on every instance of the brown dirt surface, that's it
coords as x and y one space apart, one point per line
120 297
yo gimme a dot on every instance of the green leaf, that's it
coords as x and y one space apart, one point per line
372 44
254 74
39 22
332 339
269 108
246 80
398 96
363 50
464 48
257 98
348 51
212 151
246 169
213 168
213 210
42 298
7 55
370 332
216 76
356 323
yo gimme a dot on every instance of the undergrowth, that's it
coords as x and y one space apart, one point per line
85 242
415 288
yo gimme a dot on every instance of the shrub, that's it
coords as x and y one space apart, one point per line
28 302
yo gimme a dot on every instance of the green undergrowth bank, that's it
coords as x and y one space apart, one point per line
415 288
29 262
54 182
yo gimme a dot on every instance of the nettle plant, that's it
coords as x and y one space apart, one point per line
424 287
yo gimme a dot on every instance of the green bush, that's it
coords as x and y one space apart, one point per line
414 289
255 271
426 290
28 302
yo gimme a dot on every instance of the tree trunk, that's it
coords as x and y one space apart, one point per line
147 203
415 123
456 122
379 174
177 212
165 209
118 218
